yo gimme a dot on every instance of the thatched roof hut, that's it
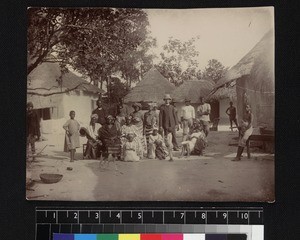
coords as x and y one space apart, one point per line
54 94
259 63
47 78
193 89
227 91
255 81
151 88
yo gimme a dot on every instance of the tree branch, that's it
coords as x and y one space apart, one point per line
54 93
48 89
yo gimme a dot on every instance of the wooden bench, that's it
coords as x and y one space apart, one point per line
259 137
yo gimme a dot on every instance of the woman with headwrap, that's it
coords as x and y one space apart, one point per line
130 149
138 124
150 121
128 128
110 138
93 149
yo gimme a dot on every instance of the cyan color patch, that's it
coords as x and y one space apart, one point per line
85 237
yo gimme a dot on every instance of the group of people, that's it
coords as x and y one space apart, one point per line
133 135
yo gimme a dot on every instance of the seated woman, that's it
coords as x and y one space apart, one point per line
110 138
189 145
93 149
127 129
130 149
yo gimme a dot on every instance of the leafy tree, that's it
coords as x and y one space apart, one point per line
92 40
214 70
116 89
179 61
135 63
105 51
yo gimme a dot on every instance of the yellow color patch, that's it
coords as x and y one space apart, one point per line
129 236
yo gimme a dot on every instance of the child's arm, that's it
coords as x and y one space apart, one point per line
151 139
66 127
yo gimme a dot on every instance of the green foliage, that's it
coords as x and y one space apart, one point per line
214 70
179 61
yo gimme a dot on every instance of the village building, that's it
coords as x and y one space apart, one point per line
222 97
151 88
254 81
193 90
49 91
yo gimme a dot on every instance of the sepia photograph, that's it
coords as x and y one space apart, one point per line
129 104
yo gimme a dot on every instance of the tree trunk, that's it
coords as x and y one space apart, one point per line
101 82
107 87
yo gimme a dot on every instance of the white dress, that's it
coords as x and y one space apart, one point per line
130 152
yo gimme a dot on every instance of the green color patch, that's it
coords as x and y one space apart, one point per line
107 236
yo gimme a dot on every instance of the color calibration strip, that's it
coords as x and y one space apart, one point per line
150 236
144 224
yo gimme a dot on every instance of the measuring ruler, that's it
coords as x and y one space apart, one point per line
243 223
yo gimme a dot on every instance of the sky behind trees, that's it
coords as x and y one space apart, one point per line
226 34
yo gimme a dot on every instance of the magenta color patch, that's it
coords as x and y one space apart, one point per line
172 237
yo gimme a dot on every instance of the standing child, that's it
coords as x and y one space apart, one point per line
32 130
72 135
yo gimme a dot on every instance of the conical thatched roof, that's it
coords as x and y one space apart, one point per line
224 92
44 79
151 88
193 89
258 64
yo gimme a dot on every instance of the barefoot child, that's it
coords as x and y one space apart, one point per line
160 150
72 135
154 139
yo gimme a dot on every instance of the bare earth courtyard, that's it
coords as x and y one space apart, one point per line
212 177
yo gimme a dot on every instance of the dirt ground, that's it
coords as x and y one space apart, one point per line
212 177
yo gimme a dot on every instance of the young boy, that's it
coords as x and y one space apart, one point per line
72 135
32 129
160 150
154 139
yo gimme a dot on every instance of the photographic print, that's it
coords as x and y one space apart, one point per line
128 104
